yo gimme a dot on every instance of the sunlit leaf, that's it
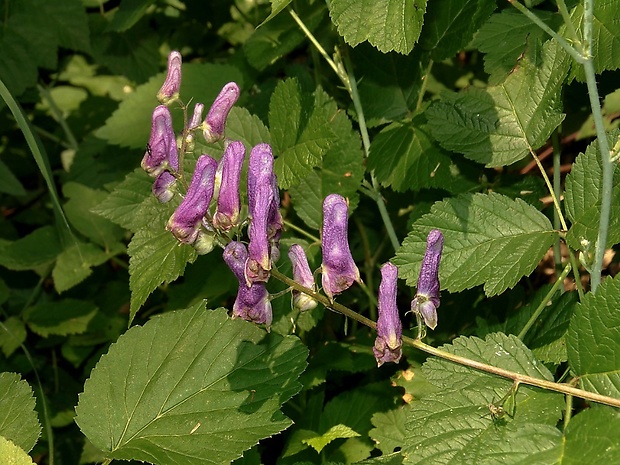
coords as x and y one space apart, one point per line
18 419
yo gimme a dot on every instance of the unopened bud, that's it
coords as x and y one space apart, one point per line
228 202
215 124
161 151
169 91
426 300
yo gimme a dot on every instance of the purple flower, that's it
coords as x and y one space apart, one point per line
161 151
303 276
228 202
215 123
338 268
170 89
260 200
191 127
274 221
252 303
426 300
388 344
164 186
185 222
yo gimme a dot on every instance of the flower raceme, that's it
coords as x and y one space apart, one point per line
252 302
338 268
426 300
303 276
388 344
169 91
229 202
215 123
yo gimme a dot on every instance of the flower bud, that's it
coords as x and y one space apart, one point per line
427 296
338 268
303 276
228 201
161 151
193 124
215 123
169 91
260 200
164 186
252 303
185 222
388 344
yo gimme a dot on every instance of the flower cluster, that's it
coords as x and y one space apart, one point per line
192 222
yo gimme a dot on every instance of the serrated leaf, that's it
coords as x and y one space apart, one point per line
591 437
130 125
188 387
12 335
449 25
40 247
592 340
583 198
489 239
12 454
386 24
63 317
78 210
502 124
74 264
406 157
389 429
505 36
318 443
18 420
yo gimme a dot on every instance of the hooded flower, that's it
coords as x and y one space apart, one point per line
185 222
164 186
260 200
215 123
389 327
338 268
192 125
252 303
228 201
303 276
161 151
426 300
169 91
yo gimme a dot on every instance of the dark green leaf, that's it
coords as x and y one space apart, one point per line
18 420
189 385
75 262
38 248
129 13
9 184
389 429
12 334
62 317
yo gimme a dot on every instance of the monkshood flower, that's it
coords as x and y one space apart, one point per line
164 187
426 300
303 276
161 151
215 123
185 222
388 344
169 91
252 303
194 123
338 268
260 200
228 202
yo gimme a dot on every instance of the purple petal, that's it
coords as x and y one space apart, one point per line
388 344
302 275
170 89
228 202
161 153
216 118
164 187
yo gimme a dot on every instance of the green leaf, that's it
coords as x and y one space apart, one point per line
78 210
592 340
12 335
406 157
9 184
386 24
188 385
591 437
69 316
18 420
502 124
276 7
318 443
605 35
37 248
489 239
583 198
385 459
449 25
130 125
451 426
74 264
609 110
13 454
129 13
389 429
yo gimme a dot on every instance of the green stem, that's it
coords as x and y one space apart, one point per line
575 265
568 413
557 190
550 188
46 95
517 377
290 225
567 21
559 282
427 73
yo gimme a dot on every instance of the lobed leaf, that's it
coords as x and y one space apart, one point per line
490 239
386 24
18 419
190 387
592 340
502 124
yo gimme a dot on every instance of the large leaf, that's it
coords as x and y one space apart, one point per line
13 454
68 316
591 437
451 426
386 24
18 420
74 264
449 25
503 124
190 387
583 198
40 247
489 239
593 340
